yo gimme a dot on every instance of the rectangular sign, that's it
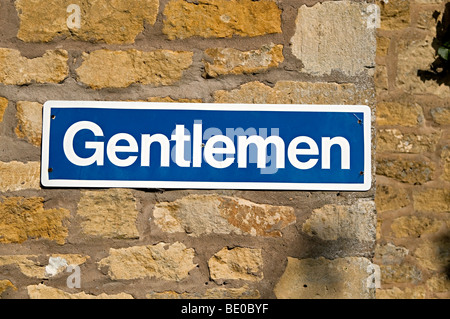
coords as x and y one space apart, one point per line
208 146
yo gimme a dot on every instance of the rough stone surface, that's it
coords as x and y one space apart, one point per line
110 214
409 171
390 254
15 176
394 141
5 285
166 261
3 106
383 44
395 14
169 99
341 278
117 21
237 263
25 218
293 92
331 222
381 78
30 266
417 292
221 18
42 291
334 35
17 70
395 113
29 122
441 115
214 293
414 226
204 214
120 69
232 61
439 284
390 198
426 19
393 274
433 255
27 264
252 92
432 200
414 59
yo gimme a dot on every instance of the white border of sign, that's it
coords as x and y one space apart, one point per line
46 182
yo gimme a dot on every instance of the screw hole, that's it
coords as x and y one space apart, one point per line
50 170
53 116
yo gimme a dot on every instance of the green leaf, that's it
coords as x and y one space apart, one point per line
443 53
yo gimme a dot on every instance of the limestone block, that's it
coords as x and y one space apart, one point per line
414 61
166 261
120 69
42 291
31 267
441 115
332 221
5 285
214 293
29 122
221 18
391 254
394 141
414 226
25 218
435 200
413 171
237 263
110 214
296 92
390 198
399 113
15 69
335 36
205 214
433 255
395 14
109 21
341 278
232 61
15 176
417 292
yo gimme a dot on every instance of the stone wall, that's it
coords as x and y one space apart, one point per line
413 158
154 243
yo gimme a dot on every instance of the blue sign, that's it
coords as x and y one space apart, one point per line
209 146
